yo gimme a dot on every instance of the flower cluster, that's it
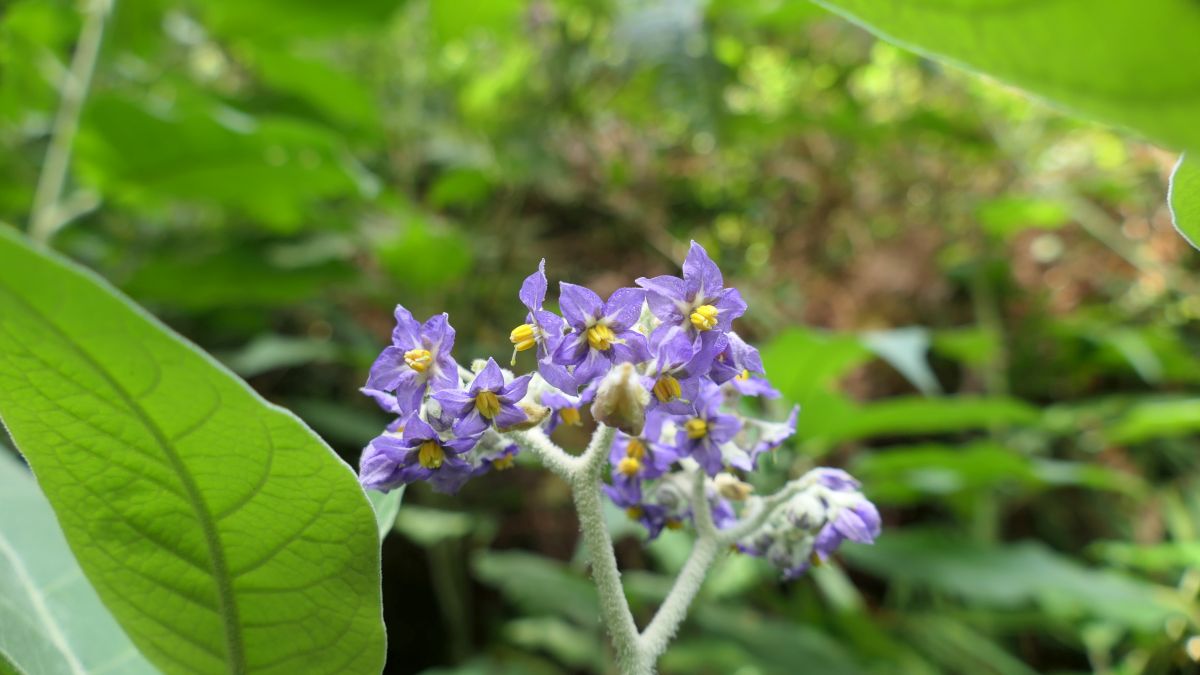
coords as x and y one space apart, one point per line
660 362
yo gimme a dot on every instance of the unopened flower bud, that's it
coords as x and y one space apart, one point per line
729 487
621 400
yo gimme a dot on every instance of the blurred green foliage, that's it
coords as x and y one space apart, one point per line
979 303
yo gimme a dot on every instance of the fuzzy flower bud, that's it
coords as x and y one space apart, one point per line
621 400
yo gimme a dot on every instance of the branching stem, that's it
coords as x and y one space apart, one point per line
637 653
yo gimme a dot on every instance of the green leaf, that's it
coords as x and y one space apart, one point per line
1017 575
1120 62
1157 419
1184 199
902 475
576 647
1008 216
906 349
52 621
223 535
539 585
917 416
387 507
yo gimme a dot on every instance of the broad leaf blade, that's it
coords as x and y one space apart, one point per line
52 622
1121 62
219 530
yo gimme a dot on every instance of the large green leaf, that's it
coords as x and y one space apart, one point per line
1121 62
223 535
51 621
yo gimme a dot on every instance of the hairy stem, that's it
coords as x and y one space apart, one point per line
665 624
614 609
44 218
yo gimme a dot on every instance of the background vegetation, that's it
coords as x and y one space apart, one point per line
979 302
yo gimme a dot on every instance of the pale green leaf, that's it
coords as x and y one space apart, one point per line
387 507
1121 62
222 534
51 621
1184 198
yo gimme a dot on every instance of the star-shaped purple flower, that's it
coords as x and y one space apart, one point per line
602 331
699 301
419 358
679 364
542 330
488 401
415 451
703 433
741 366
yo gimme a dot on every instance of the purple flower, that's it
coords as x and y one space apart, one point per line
642 457
488 401
699 301
542 329
419 358
706 430
415 451
737 360
566 409
859 523
679 363
603 334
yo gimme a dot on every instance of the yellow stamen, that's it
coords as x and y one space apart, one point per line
667 389
696 428
431 454
814 559
524 337
418 359
634 512
487 404
674 524
704 317
601 337
505 462
629 466
635 449
743 376
570 416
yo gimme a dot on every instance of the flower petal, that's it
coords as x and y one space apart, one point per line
533 289
407 333
624 307
571 350
455 402
701 273
488 379
579 305
667 297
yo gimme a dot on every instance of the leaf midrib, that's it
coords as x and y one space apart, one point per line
227 602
